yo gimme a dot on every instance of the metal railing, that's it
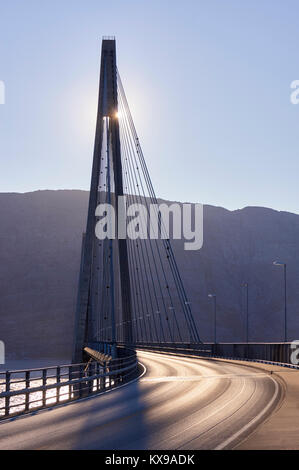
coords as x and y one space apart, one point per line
279 353
29 390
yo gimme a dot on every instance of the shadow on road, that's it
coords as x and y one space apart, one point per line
115 420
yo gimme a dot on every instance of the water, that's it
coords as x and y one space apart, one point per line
18 382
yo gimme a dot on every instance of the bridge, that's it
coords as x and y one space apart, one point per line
141 377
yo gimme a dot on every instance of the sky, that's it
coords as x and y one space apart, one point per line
208 83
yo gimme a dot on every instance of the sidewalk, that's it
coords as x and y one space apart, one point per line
281 430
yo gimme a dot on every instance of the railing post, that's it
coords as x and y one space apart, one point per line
44 384
110 377
90 382
120 376
115 377
58 382
105 376
80 377
70 378
7 389
27 385
98 371
75 375
103 379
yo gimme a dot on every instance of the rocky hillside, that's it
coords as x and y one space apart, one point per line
40 241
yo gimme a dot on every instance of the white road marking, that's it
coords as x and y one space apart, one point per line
244 428
250 423
216 410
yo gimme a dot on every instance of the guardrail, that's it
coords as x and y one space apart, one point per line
24 391
279 353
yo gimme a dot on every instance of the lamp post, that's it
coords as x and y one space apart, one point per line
213 296
278 263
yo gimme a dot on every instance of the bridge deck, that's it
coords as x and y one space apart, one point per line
180 403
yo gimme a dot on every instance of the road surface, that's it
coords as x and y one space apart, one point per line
179 403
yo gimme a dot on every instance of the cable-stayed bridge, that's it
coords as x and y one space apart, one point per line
130 288
134 334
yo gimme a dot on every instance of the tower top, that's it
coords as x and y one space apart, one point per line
108 82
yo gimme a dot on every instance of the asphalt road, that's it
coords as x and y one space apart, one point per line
179 403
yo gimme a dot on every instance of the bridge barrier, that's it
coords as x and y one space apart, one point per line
278 353
24 391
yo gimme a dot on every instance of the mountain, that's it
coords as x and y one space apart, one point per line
40 243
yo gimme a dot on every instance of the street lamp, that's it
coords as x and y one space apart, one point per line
213 296
278 263
245 284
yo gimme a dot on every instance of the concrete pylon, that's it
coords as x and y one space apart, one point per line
107 108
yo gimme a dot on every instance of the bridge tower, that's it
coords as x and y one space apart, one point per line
130 289
107 140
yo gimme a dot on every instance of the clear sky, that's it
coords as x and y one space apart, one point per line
208 82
